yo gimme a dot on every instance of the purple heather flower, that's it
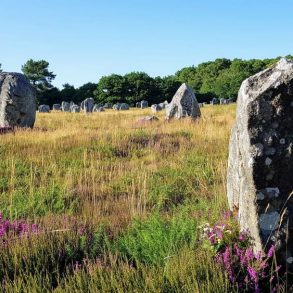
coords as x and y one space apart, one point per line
271 251
252 273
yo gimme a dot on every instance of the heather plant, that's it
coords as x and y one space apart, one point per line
117 207
247 270
15 229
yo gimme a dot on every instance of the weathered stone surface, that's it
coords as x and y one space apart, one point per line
124 106
121 107
75 109
44 109
98 108
183 104
214 101
17 101
137 105
56 107
65 107
163 105
260 165
116 107
88 105
155 108
72 105
144 104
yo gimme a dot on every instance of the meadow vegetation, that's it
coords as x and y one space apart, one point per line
117 208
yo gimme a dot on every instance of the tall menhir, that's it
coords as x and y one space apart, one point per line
260 165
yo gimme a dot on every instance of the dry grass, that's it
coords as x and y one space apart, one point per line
102 168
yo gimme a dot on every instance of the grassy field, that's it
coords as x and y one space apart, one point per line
118 207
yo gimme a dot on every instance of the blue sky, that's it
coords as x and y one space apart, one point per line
86 39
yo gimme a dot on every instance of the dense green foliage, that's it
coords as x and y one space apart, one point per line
220 78
38 73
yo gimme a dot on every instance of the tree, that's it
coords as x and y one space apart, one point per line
111 88
165 88
38 74
68 93
0 67
140 86
85 91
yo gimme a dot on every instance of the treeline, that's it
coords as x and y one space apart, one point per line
130 88
220 78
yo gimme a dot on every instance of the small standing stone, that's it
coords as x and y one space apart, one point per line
56 107
183 104
44 109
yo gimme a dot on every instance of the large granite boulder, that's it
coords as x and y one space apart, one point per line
44 109
183 104
260 165
17 101
88 105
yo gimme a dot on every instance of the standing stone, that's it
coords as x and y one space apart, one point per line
144 104
155 108
72 105
215 101
116 107
137 105
98 108
44 109
65 107
56 107
163 105
230 100
88 105
260 164
124 106
17 101
75 109
183 104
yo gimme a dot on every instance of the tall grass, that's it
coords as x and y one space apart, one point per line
119 205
